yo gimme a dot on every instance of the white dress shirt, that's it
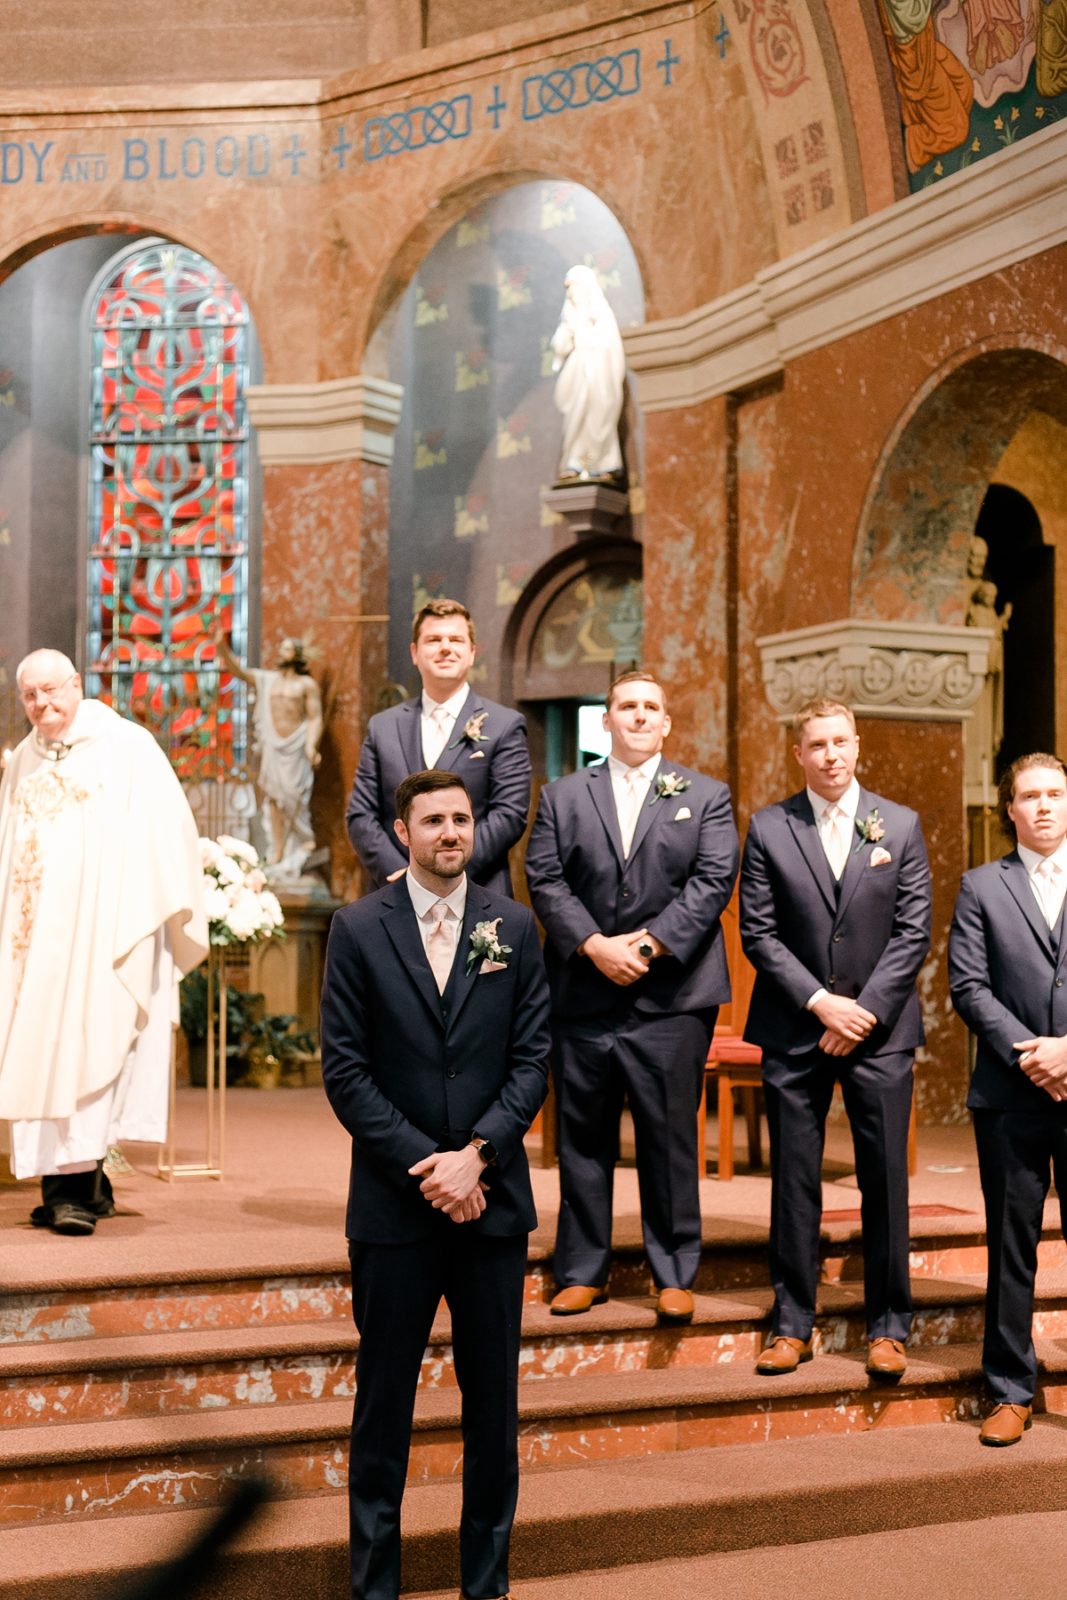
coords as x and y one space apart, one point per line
438 721
1049 884
425 899
848 805
630 786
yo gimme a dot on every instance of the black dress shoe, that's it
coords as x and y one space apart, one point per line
73 1219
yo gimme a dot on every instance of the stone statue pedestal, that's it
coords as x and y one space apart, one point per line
587 507
288 972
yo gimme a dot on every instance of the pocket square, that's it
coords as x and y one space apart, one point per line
492 966
476 755
879 857
681 814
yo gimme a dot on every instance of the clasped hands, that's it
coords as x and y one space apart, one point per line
452 1182
1044 1060
615 955
846 1023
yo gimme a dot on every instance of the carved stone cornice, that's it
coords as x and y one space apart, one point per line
310 424
916 671
977 222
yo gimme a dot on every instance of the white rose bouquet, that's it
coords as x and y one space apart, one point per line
240 908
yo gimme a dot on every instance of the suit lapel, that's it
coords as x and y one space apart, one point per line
1017 882
599 783
648 814
455 738
401 925
460 985
806 834
409 732
858 856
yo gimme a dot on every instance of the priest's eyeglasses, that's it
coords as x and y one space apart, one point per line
31 697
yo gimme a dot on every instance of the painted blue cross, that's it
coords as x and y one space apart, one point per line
496 107
294 153
722 36
668 60
341 148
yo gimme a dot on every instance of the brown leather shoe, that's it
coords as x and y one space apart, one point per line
675 1305
886 1358
1006 1424
784 1354
579 1297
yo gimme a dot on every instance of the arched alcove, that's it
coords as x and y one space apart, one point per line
478 439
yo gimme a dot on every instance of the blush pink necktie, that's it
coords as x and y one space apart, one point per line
439 946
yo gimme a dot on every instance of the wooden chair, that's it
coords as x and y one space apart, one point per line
737 1065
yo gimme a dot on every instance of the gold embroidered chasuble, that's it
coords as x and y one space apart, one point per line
98 851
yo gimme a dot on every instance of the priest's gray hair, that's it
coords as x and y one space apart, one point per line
50 661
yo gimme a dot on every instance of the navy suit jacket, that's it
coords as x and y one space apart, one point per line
867 943
409 1071
497 773
676 882
1008 983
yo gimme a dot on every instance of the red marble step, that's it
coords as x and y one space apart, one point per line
161 1374
605 1518
91 1470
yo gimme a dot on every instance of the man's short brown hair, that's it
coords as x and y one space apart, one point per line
427 782
441 608
822 707
636 675
1006 786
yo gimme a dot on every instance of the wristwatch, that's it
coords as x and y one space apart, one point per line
485 1148
646 950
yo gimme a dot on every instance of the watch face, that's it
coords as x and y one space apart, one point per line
644 949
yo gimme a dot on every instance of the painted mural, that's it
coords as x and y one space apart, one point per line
973 76
479 434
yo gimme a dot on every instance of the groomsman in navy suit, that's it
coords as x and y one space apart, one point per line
835 918
630 865
435 1049
1007 964
453 728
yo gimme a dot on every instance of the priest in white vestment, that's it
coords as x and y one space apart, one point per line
101 913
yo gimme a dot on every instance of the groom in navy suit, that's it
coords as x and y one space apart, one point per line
835 918
435 1059
451 727
1007 967
630 866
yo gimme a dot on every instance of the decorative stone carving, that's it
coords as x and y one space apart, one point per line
587 507
901 670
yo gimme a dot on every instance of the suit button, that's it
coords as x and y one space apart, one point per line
1059 983
837 938
626 894
831 980
451 1073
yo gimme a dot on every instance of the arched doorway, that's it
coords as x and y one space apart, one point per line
964 523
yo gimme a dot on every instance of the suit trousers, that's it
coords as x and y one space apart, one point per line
396 1290
1017 1153
657 1062
877 1092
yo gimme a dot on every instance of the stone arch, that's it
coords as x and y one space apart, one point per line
441 213
910 552
523 677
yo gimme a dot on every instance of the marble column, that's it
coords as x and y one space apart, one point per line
325 450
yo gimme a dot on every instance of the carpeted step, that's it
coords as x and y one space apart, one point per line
102 1469
607 1519
999 1558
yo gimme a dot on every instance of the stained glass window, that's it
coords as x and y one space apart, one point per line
168 500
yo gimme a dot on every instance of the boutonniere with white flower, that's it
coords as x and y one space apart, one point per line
668 784
870 828
485 945
472 731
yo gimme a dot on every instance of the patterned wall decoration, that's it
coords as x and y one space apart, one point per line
479 436
168 538
973 76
